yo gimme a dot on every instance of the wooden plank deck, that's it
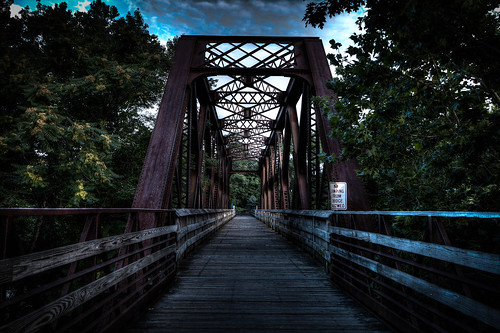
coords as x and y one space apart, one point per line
249 279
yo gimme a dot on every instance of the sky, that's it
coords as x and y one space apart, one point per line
169 18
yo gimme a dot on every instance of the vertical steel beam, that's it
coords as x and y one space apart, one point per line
305 139
285 174
319 174
276 173
262 184
225 183
299 158
197 131
202 120
268 182
282 185
272 173
191 150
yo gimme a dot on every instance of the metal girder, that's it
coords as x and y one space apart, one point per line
243 104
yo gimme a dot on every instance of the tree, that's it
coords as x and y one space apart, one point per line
244 190
418 101
72 87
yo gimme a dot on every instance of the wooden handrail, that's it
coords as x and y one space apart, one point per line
76 211
116 273
20 267
329 213
378 268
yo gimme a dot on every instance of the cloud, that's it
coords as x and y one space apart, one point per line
168 18
82 5
238 17
15 10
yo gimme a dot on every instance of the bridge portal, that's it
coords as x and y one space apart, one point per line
243 105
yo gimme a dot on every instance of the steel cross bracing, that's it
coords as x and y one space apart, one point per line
243 105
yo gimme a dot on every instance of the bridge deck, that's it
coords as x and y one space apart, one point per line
248 278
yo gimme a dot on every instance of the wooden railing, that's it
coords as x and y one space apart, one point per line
422 284
99 279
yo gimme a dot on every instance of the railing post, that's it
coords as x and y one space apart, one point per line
91 231
5 238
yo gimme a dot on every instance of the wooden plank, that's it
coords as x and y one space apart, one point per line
249 279
37 319
14 269
474 259
449 298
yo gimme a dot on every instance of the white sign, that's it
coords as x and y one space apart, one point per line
338 193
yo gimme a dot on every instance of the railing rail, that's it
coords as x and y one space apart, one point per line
91 285
421 284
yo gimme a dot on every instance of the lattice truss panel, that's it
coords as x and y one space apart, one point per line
181 175
247 105
250 55
246 108
317 177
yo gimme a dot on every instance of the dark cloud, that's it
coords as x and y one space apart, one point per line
239 17
169 18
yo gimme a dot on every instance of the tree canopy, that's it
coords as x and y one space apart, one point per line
417 101
245 191
72 88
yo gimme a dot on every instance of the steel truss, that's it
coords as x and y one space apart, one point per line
223 113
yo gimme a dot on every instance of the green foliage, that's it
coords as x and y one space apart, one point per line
57 148
418 102
72 87
244 190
